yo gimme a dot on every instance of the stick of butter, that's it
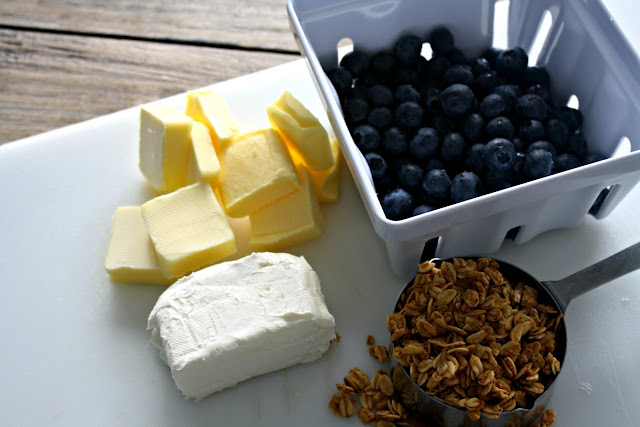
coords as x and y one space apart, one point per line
211 110
325 182
203 161
188 228
302 131
130 256
164 146
256 170
288 221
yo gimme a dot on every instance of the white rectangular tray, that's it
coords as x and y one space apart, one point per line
74 349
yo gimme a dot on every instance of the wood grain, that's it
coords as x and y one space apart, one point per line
259 24
51 80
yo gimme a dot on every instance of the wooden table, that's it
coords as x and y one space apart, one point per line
65 61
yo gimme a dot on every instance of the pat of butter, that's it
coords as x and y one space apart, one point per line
130 256
164 146
302 131
256 170
288 221
325 182
211 110
188 228
203 161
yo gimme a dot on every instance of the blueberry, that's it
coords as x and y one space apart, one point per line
366 138
437 66
456 100
425 143
341 79
420 209
500 127
382 65
531 130
441 41
492 105
485 83
543 145
437 184
443 124
397 204
452 149
394 141
495 179
407 49
456 56
395 162
557 133
597 204
509 93
406 93
481 66
473 158
410 176
380 118
511 63
434 163
577 145
593 157
458 74
384 184
473 127
570 117
405 75
356 111
356 61
408 115
538 164
366 80
519 144
499 154
535 75
357 91
377 165
465 186
380 96
531 107
431 100
565 162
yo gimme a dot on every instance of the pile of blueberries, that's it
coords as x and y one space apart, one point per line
450 128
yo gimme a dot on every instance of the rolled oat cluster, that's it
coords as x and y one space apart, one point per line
474 340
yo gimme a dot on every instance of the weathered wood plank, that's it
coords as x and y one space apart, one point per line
249 23
48 80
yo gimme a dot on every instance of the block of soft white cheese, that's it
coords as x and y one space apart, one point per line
239 319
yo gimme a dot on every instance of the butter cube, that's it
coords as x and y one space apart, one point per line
130 256
256 170
211 110
164 146
188 228
325 182
203 161
288 221
302 131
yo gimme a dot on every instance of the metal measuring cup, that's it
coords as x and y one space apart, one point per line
557 293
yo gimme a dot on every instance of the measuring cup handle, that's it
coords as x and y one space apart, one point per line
617 265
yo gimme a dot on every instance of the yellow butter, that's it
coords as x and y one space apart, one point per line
211 110
288 221
302 131
256 170
130 256
325 182
188 228
164 146
203 161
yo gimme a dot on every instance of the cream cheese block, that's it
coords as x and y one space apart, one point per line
239 319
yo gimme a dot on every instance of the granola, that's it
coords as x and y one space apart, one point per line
474 340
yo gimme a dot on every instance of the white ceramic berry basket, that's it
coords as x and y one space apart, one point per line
587 57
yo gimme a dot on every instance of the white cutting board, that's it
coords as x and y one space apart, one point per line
74 349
